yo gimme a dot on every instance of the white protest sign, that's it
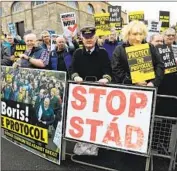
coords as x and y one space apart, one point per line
69 25
174 49
53 40
153 27
116 117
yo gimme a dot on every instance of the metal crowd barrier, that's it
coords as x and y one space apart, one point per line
164 142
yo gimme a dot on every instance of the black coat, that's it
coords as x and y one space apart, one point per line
120 67
96 64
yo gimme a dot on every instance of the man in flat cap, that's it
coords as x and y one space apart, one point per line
91 63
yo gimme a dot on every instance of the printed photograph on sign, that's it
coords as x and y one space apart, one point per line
123 123
32 110
140 63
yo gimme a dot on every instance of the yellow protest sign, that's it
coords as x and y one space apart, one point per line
19 49
102 24
136 15
140 63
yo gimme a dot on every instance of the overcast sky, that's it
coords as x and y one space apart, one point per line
151 9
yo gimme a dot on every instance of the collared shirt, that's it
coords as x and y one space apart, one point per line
44 56
91 50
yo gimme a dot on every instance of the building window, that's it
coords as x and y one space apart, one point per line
103 10
90 9
35 3
17 6
1 11
73 4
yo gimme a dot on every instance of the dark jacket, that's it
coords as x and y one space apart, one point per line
53 60
35 53
120 67
5 56
96 64
110 46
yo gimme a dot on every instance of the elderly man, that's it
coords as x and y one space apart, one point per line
34 56
111 43
60 57
156 39
91 62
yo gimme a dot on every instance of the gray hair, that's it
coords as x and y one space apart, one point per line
153 35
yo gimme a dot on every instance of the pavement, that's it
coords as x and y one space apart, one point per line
15 158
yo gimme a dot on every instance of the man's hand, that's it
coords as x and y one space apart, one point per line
16 65
103 81
143 83
150 84
24 56
12 58
78 79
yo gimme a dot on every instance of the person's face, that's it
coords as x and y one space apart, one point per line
58 92
60 43
157 40
57 85
52 93
46 102
46 38
89 42
10 39
112 37
136 36
50 85
30 41
15 87
169 38
41 93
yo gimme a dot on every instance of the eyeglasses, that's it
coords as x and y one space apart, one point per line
170 35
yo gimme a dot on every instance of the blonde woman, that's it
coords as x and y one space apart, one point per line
134 34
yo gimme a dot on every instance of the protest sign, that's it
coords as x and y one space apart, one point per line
153 27
164 17
53 40
12 29
136 15
69 24
32 110
167 56
174 49
118 117
19 49
102 24
115 17
140 63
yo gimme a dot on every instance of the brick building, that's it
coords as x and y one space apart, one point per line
42 15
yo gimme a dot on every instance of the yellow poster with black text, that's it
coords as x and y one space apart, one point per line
102 24
32 110
136 15
140 63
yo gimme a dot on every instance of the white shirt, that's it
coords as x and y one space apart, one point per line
91 50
